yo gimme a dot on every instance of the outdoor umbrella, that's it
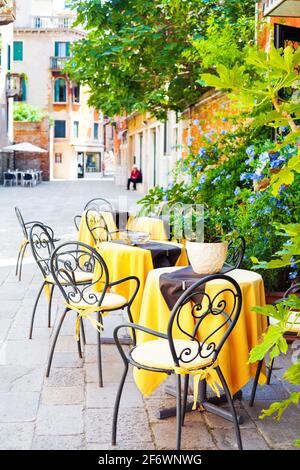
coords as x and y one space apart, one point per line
23 147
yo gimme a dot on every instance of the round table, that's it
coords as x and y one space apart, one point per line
123 260
234 356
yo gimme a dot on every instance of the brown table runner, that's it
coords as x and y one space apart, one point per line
163 255
172 285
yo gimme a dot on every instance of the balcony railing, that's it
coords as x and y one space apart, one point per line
13 85
58 63
7 12
289 8
52 22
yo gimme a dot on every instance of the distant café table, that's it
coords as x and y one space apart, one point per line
123 260
153 225
155 314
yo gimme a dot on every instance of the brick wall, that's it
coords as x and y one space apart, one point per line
37 133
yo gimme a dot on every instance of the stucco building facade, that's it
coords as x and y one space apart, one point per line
43 37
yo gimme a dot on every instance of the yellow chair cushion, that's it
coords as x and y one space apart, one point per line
110 301
79 277
157 354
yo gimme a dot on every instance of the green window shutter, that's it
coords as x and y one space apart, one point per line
24 90
60 129
56 46
8 57
18 50
67 49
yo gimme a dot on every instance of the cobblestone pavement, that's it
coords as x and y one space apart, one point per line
68 410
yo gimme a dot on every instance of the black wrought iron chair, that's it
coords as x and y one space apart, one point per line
77 221
188 356
294 289
42 242
97 227
236 252
25 227
99 205
67 263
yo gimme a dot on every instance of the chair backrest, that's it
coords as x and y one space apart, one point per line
236 252
9 176
214 316
77 221
21 222
76 269
28 176
99 205
294 289
97 227
42 245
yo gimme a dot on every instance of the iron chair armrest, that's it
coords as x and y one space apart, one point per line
133 327
126 279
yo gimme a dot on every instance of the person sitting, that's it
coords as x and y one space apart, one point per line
135 177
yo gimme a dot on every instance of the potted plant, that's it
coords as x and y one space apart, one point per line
206 248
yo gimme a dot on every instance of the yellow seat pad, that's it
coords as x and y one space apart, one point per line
157 354
111 300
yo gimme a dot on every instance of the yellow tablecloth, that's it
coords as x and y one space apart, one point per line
84 234
234 355
152 225
123 261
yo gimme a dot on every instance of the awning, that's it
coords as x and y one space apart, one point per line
88 148
290 8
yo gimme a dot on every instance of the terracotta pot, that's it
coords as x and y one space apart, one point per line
207 258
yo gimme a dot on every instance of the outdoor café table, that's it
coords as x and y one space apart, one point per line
124 260
84 235
153 225
234 356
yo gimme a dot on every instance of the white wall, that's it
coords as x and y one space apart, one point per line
6 106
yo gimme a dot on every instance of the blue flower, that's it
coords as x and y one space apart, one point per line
251 199
190 140
166 197
264 157
223 132
193 163
224 119
228 177
250 151
196 122
202 179
293 275
245 176
202 152
215 180
249 160
266 210
257 175
237 191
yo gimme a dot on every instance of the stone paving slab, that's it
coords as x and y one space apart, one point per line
59 420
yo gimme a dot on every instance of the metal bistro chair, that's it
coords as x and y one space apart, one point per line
294 289
25 226
236 252
77 221
187 356
99 205
29 179
68 262
9 179
98 228
42 242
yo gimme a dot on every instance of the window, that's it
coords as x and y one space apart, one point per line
76 129
18 50
62 49
60 90
96 130
58 158
8 57
76 92
60 129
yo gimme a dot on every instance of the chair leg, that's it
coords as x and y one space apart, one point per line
178 412
117 405
18 260
21 262
79 345
131 321
82 332
270 372
99 353
50 305
185 395
34 310
232 408
55 341
255 383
